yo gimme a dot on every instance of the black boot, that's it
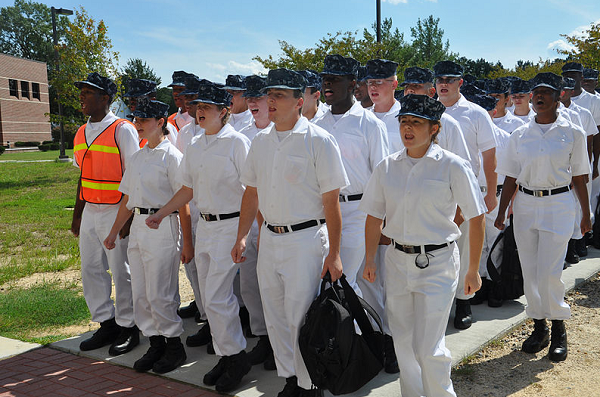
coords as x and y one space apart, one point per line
188 311
261 351
200 338
291 388
483 293
154 353
572 256
558 345
462 316
312 393
538 338
126 341
269 364
105 335
210 348
390 362
212 376
174 356
236 369
581 248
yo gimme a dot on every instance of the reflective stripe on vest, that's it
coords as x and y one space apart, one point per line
100 164
171 120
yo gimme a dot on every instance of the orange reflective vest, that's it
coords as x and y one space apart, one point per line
171 120
100 164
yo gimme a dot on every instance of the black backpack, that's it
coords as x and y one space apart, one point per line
507 279
337 358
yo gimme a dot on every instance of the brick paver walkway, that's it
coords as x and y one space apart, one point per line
49 372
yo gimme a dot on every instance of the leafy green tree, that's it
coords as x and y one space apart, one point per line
587 47
428 44
139 69
528 70
479 68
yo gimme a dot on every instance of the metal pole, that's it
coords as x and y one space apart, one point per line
62 154
379 21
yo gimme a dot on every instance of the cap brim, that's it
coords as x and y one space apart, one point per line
188 92
400 113
544 85
209 101
324 73
375 77
232 88
572 70
447 75
281 87
407 82
78 84
176 85
253 94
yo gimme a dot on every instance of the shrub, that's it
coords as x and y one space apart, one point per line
26 144
2 148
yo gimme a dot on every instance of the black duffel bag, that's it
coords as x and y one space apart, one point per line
507 278
337 358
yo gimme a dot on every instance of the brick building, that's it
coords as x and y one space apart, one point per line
24 100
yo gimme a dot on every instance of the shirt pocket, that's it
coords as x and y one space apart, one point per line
351 146
435 193
295 169
219 167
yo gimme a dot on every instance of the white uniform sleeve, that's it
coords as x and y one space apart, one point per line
378 143
486 138
240 150
185 168
507 164
579 157
248 175
587 122
128 178
128 141
595 110
373 199
452 138
330 170
465 190
174 169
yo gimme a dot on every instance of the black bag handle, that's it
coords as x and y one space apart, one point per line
358 306
492 271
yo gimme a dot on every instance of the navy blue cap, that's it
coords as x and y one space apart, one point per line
340 66
447 69
398 94
192 83
254 86
179 78
235 82
381 69
421 106
416 75
140 87
362 73
590 74
480 83
99 82
546 79
497 86
285 79
569 83
147 108
471 90
572 67
469 79
485 101
520 86
209 92
313 79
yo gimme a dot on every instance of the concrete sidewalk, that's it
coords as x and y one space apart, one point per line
489 324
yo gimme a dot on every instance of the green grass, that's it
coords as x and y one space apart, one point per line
34 155
34 314
35 199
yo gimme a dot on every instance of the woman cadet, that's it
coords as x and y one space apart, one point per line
546 158
417 190
149 182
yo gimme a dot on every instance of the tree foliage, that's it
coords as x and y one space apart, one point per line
528 70
136 68
428 46
586 47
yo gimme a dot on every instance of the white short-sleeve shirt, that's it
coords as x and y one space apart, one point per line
419 201
363 142
545 160
292 175
502 139
240 120
152 177
392 126
182 119
590 102
212 166
477 128
587 119
251 130
186 134
509 122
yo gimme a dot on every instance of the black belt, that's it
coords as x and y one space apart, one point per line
416 249
218 217
542 193
294 228
148 211
350 197
484 189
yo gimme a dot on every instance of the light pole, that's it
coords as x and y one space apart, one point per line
379 21
59 11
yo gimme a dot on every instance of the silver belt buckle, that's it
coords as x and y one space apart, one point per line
343 198
409 249
204 216
136 211
538 193
151 211
483 189
280 229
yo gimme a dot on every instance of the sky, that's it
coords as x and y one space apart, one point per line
215 38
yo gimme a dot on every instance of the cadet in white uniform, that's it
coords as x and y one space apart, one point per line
478 131
148 183
240 117
417 190
181 118
312 108
249 288
210 173
503 119
520 95
544 157
361 92
293 176
92 222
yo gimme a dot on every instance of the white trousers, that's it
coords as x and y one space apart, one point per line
249 288
216 272
418 303
463 249
289 272
96 260
190 268
373 293
543 227
154 257
352 247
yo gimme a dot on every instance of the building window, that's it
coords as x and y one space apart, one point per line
25 89
13 86
35 91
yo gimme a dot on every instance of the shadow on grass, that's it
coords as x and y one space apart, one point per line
28 183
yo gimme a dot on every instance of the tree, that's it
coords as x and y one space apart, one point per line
479 68
26 31
528 70
587 47
138 69
428 44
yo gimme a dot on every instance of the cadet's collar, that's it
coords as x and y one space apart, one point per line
226 131
433 152
299 128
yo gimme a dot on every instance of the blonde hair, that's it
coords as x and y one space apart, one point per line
439 124
227 116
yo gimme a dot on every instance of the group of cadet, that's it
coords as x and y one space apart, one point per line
259 189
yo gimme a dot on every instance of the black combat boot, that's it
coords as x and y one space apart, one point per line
558 344
538 339
157 348
126 341
105 335
174 356
237 367
200 338
462 316
261 351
